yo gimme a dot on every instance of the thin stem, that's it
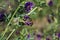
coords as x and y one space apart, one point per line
10 34
32 11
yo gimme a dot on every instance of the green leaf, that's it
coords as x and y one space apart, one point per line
33 15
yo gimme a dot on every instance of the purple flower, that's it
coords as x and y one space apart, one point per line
2 16
59 35
50 3
39 36
28 23
49 19
47 38
28 6
28 36
27 20
26 17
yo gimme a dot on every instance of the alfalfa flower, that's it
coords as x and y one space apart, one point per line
49 19
39 36
28 37
28 6
2 16
47 38
50 3
58 35
26 17
28 23
27 20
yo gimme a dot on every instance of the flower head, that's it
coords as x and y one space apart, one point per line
49 19
28 36
28 6
47 38
50 3
26 17
2 16
58 35
28 23
28 20
39 36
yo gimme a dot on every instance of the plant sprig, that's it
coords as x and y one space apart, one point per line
10 21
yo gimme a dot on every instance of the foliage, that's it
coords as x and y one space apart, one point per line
14 18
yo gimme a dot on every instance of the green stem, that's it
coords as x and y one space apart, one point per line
10 34
32 11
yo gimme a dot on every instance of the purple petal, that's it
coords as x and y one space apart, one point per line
59 35
39 36
2 16
28 6
47 38
26 17
50 3
28 23
28 36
